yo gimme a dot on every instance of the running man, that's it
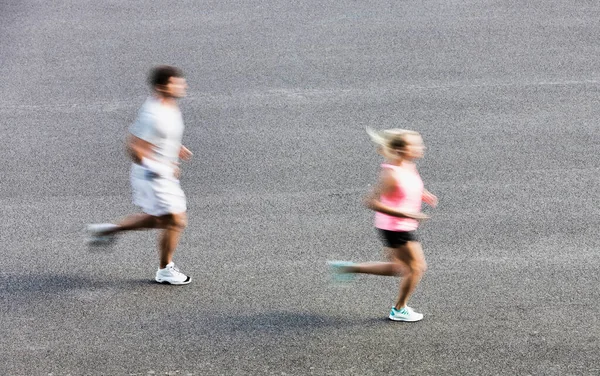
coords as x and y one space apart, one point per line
154 145
397 200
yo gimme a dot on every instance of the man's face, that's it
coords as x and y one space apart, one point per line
175 88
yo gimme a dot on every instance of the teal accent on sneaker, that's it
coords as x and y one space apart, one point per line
338 273
405 314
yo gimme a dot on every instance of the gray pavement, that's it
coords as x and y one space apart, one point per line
505 94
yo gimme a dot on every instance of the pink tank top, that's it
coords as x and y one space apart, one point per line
406 198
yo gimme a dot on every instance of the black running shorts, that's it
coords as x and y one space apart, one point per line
394 239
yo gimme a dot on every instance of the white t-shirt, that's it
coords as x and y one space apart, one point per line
161 126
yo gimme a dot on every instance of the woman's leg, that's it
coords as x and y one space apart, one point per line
412 257
394 267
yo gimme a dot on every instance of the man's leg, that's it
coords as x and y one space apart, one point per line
169 238
133 222
104 233
174 224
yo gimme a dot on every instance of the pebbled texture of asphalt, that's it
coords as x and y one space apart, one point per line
505 94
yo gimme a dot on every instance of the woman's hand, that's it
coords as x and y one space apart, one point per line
430 199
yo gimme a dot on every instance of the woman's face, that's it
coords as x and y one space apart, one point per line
414 148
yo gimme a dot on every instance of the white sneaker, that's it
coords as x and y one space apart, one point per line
95 236
405 314
170 274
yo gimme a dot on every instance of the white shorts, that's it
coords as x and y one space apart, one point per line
156 196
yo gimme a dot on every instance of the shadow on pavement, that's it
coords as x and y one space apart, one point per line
284 323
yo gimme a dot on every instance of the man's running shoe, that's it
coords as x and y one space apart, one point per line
96 234
171 275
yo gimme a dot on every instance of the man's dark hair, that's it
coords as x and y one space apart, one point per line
159 76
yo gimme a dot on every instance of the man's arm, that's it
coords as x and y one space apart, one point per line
141 152
138 149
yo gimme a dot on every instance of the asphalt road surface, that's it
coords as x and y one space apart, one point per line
505 94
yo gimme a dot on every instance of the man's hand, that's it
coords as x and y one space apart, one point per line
176 171
185 154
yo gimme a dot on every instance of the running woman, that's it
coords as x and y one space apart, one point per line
397 200
154 145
